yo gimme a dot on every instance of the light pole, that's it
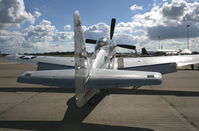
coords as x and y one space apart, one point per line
159 42
188 47
19 48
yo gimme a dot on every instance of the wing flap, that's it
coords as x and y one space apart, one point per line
161 68
187 63
180 60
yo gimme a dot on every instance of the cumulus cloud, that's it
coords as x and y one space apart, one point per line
12 12
167 21
124 28
37 14
136 7
96 31
45 34
169 32
43 37
124 34
67 27
175 10
44 31
170 20
10 41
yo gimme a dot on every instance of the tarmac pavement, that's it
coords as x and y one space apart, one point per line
172 106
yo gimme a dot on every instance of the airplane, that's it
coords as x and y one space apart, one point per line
27 57
168 51
103 70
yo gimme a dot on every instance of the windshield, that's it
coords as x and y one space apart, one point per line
101 42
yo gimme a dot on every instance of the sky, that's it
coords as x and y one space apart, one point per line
32 26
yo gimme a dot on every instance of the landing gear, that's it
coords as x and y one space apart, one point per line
136 87
92 101
192 66
97 97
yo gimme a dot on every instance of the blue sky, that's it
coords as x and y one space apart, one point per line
59 12
47 25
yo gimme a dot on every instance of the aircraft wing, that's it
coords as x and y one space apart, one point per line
99 78
30 59
162 64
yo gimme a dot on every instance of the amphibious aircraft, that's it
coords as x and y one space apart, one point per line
101 71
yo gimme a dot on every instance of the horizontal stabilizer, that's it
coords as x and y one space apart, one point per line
58 78
99 78
106 78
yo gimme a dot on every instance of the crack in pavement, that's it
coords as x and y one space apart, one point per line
180 115
23 101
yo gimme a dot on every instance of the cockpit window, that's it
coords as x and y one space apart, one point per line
101 42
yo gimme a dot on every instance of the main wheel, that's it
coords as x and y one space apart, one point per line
192 66
92 101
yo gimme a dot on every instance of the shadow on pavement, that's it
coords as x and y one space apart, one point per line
109 91
72 121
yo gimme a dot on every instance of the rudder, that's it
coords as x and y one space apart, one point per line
81 62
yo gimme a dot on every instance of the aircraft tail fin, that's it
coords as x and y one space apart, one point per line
81 62
144 52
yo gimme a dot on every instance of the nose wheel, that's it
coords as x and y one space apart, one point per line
192 66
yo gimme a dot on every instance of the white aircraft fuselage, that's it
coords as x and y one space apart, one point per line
104 54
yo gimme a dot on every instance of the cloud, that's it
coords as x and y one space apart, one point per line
136 7
124 28
169 32
170 20
96 31
37 14
43 37
167 21
175 10
45 34
45 31
67 27
9 41
42 32
12 12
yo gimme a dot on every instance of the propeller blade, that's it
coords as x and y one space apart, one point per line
91 41
127 46
112 27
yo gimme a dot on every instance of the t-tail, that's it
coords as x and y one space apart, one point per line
83 94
